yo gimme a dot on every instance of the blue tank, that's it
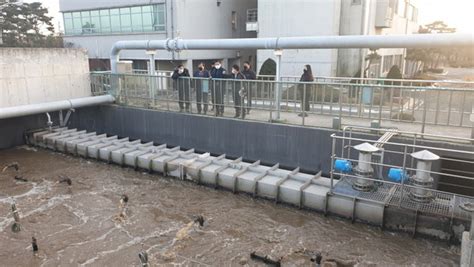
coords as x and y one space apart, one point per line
397 175
343 165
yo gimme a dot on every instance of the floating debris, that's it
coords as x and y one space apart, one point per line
14 165
16 227
66 180
199 219
20 178
34 245
265 259
143 256
124 199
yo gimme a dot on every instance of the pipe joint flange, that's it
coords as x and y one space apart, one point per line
167 45
415 181
423 198
363 173
175 48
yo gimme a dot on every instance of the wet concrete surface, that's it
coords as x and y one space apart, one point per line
78 225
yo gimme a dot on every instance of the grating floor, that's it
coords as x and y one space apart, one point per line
380 193
442 203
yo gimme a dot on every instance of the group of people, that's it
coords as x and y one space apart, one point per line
213 82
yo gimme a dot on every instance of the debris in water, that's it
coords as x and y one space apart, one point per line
124 199
265 259
199 219
14 165
143 255
66 180
16 227
20 178
34 245
122 206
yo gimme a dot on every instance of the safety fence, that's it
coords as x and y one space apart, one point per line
392 173
409 101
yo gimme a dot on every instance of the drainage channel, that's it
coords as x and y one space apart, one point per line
291 187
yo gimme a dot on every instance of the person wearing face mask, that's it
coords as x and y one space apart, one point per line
238 91
181 83
202 87
305 90
249 85
217 87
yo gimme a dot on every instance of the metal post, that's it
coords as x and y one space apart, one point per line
333 154
278 53
405 152
151 72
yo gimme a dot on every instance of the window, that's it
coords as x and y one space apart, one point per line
116 20
234 20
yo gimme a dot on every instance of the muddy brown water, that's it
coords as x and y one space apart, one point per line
78 226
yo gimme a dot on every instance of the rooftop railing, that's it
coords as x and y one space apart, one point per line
436 107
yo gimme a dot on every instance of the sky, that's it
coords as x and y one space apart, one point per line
456 13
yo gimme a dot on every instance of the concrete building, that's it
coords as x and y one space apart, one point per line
96 24
281 18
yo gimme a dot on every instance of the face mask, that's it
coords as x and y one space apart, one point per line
246 67
234 71
180 71
201 68
217 66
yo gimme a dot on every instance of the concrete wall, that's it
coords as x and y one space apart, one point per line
291 146
281 18
36 75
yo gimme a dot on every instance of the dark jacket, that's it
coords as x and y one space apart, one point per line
180 83
199 82
249 74
219 73
306 78
237 85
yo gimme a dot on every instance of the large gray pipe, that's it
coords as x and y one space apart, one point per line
24 110
314 42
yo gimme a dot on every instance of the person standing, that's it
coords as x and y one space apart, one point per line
218 72
305 90
202 87
249 85
181 83
238 91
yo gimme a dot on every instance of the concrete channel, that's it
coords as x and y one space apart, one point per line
302 188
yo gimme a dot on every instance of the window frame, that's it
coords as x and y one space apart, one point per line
105 26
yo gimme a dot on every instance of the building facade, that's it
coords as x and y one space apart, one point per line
282 18
97 24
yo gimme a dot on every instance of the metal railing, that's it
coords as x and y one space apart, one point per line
396 101
399 193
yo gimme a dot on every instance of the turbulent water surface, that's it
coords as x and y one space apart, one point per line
79 225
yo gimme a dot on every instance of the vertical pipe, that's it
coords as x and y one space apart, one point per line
278 85
425 107
405 150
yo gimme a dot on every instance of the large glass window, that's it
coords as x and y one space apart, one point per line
116 20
